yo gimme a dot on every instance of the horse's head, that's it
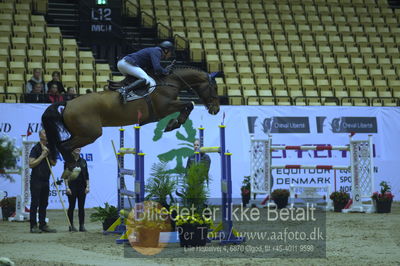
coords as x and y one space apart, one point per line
209 95
202 83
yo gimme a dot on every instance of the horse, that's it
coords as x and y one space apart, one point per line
79 122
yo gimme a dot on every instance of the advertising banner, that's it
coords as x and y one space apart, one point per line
288 125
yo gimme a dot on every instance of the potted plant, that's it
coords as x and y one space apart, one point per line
340 199
193 227
245 190
8 156
107 215
383 201
160 186
7 207
145 223
280 197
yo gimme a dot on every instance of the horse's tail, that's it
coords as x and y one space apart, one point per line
50 118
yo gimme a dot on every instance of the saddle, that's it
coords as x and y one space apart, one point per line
115 85
130 88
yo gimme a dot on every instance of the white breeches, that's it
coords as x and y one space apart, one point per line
128 69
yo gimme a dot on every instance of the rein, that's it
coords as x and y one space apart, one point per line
179 77
189 86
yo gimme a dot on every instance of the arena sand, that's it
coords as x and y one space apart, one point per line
352 239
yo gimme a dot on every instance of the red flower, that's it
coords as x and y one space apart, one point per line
375 195
389 195
385 194
380 196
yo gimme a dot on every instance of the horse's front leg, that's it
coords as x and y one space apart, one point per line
185 108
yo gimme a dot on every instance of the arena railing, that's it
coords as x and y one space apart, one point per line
4 96
367 100
266 98
380 99
163 31
23 97
234 98
250 98
131 8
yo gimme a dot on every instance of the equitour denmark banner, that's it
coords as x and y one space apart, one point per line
288 125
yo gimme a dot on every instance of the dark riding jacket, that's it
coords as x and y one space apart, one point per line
148 59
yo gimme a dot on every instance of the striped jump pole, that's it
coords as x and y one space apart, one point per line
295 166
312 148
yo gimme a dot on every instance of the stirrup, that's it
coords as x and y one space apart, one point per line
124 91
123 95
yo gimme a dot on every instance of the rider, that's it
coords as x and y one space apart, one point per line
148 59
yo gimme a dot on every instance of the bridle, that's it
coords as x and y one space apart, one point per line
210 82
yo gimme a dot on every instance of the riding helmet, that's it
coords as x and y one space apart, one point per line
167 45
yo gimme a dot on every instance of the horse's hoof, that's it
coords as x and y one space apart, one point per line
172 124
168 129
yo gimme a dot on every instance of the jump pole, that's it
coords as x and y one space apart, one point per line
361 153
224 232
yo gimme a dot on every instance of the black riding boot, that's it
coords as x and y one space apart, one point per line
132 87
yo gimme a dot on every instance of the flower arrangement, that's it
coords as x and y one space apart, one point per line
193 229
8 206
340 197
8 202
280 193
9 154
149 215
195 220
280 197
385 193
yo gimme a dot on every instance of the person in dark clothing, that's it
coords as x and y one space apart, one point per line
204 158
77 190
54 95
148 59
71 94
36 95
39 184
56 77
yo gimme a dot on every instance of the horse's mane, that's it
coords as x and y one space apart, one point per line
189 67
183 67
